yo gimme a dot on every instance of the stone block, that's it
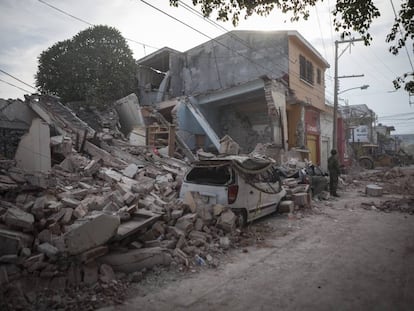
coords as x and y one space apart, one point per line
186 223
144 186
286 207
177 213
190 201
38 207
217 210
90 233
48 249
128 198
68 215
224 242
92 168
45 236
205 212
227 221
15 217
12 241
80 211
106 273
131 170
70 202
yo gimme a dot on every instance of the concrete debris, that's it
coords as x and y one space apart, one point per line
138 259
103 206
15 217
405 205
89 233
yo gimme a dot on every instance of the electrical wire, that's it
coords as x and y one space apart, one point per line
17 87
401 32
11 76
229 48
144 45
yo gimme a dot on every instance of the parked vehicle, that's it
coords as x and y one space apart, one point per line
250 186
370 157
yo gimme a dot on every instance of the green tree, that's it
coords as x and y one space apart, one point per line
96 65
349 16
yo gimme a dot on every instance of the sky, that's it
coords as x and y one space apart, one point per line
29 27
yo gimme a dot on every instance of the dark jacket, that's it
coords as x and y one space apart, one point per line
333 165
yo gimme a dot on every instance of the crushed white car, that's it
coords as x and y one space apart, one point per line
250 186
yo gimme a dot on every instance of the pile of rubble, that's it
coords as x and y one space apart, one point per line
104 210
395 180
405 205
96 220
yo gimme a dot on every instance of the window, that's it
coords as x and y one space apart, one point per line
318 76
306 69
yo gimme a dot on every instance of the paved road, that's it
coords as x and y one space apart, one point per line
345 258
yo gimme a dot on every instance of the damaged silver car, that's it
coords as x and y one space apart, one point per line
250 186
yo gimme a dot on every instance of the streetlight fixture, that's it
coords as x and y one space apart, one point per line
362 87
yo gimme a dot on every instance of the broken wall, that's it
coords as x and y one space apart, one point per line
212 66
33 152
189 129
129 113
15 120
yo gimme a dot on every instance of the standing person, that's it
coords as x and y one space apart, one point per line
334 172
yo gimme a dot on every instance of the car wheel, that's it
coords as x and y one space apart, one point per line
366 163
241 218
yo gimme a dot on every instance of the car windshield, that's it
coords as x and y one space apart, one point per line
212 175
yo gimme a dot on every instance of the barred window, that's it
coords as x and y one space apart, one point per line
306 70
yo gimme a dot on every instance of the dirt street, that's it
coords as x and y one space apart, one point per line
339 256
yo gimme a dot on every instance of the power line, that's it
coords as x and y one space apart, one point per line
11 76
227 47
405 46
90 24
17 87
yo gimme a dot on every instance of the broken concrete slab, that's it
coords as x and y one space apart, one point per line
70 202
92 168
228 146
129 113
12 241
92 254
140 220
48 249
67 216
15 217
131 170
33 152
136 260
144 186
186 223
189 199
227 221
90 233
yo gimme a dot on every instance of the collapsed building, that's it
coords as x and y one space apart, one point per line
86 193
256 87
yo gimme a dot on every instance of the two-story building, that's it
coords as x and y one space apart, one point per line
255 86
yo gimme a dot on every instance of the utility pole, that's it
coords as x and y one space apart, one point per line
335 114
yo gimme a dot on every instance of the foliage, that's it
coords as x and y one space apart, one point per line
96 65
349 16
